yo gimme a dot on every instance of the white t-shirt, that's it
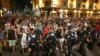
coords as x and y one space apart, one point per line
24 36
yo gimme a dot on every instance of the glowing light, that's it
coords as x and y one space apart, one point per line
74 4
37 6
91 12
69 2
66 11
31 2
41 3
75 11
61 10
88 12
79 11
87 4
1 13
98 5
55 3
53 11
4 9
61 13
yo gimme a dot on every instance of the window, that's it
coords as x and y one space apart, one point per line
96 1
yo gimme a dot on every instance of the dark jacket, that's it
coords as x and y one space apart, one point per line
51 39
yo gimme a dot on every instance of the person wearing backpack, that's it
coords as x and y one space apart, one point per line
33 43
70 37
82 34
51 43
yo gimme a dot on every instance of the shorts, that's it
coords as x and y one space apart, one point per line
24 44
12 43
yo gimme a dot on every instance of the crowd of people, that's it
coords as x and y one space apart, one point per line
43 36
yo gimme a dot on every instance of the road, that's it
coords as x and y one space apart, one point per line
94 52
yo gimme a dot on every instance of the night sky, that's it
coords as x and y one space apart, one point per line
20 4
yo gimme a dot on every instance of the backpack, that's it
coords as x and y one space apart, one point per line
71 35
51 38
33 38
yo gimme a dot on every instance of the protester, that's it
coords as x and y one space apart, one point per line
12 38
70 37
33 43
51 42
24 44
34 32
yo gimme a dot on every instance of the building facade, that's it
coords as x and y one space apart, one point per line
5 4
78 7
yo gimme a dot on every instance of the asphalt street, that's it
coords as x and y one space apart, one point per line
94 52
